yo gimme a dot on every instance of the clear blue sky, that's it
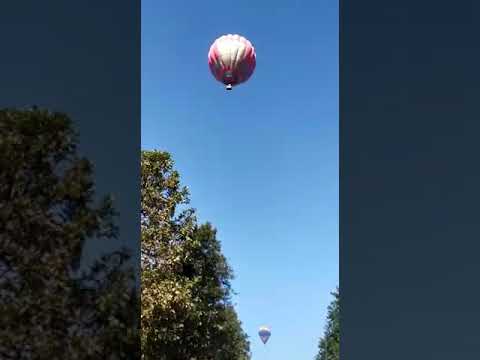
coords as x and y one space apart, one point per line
261 161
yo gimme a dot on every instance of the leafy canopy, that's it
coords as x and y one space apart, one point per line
47 212
329 345
186 308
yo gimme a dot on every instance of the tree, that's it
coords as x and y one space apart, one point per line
329 345
47 212
186 309
207 265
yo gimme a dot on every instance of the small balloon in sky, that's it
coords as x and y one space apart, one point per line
264 334
232 60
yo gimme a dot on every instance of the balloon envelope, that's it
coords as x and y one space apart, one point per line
232 60
264 334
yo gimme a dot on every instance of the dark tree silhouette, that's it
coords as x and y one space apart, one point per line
47 212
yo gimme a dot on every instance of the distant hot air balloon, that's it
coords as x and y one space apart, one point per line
264 334
232 60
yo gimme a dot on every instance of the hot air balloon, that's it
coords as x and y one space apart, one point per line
232 60
264 334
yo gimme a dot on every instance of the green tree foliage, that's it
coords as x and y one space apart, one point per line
186 308
329 345
47 212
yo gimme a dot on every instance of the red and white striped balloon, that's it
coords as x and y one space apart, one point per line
232 60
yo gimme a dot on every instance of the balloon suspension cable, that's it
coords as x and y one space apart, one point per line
228 87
